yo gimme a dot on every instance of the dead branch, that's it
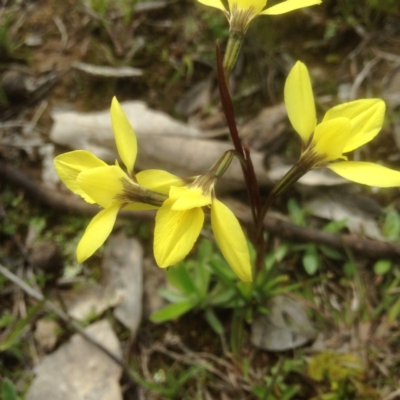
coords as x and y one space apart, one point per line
365 247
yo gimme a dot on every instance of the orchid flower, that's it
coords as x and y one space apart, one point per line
110 186
180 219
343 129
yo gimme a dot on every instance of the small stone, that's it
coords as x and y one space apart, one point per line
122 268
285 328
46 334
78 370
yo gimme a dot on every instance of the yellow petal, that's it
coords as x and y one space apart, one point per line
125 138
367 173
290 5
70 165
366 118
102 184
175 233
330 138
254 5
299 101
97 232
231 240
213 3
186 197
158 180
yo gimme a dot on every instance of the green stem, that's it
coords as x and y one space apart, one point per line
221 165
133 192
291 177
247 168
154 198
232 52
237 331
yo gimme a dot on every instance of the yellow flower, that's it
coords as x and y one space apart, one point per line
344 128
109 185
242 12
181 217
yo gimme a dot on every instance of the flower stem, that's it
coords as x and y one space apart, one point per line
232 52
243 151
290 178
134 193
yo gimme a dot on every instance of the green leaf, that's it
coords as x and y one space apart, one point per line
335 226
290 392
311 261
173 311
6 320
8 390
19 327
349 269
382 267
205 251
184 377
223 271
281 251
174 380
259 391
331 253
202 280
394 311
222 296
171 296
296 213
269 261
274 282
179 277
290 288
391 227
246 289
214 322
276 255
202 275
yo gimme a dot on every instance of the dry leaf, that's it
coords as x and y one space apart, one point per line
108 72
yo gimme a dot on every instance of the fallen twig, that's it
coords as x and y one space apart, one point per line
287 230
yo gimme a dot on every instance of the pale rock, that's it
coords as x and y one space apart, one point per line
78 370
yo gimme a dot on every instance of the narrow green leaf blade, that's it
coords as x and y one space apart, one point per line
214 322
173 311
179 277
19 327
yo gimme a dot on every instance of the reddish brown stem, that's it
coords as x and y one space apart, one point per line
248 170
